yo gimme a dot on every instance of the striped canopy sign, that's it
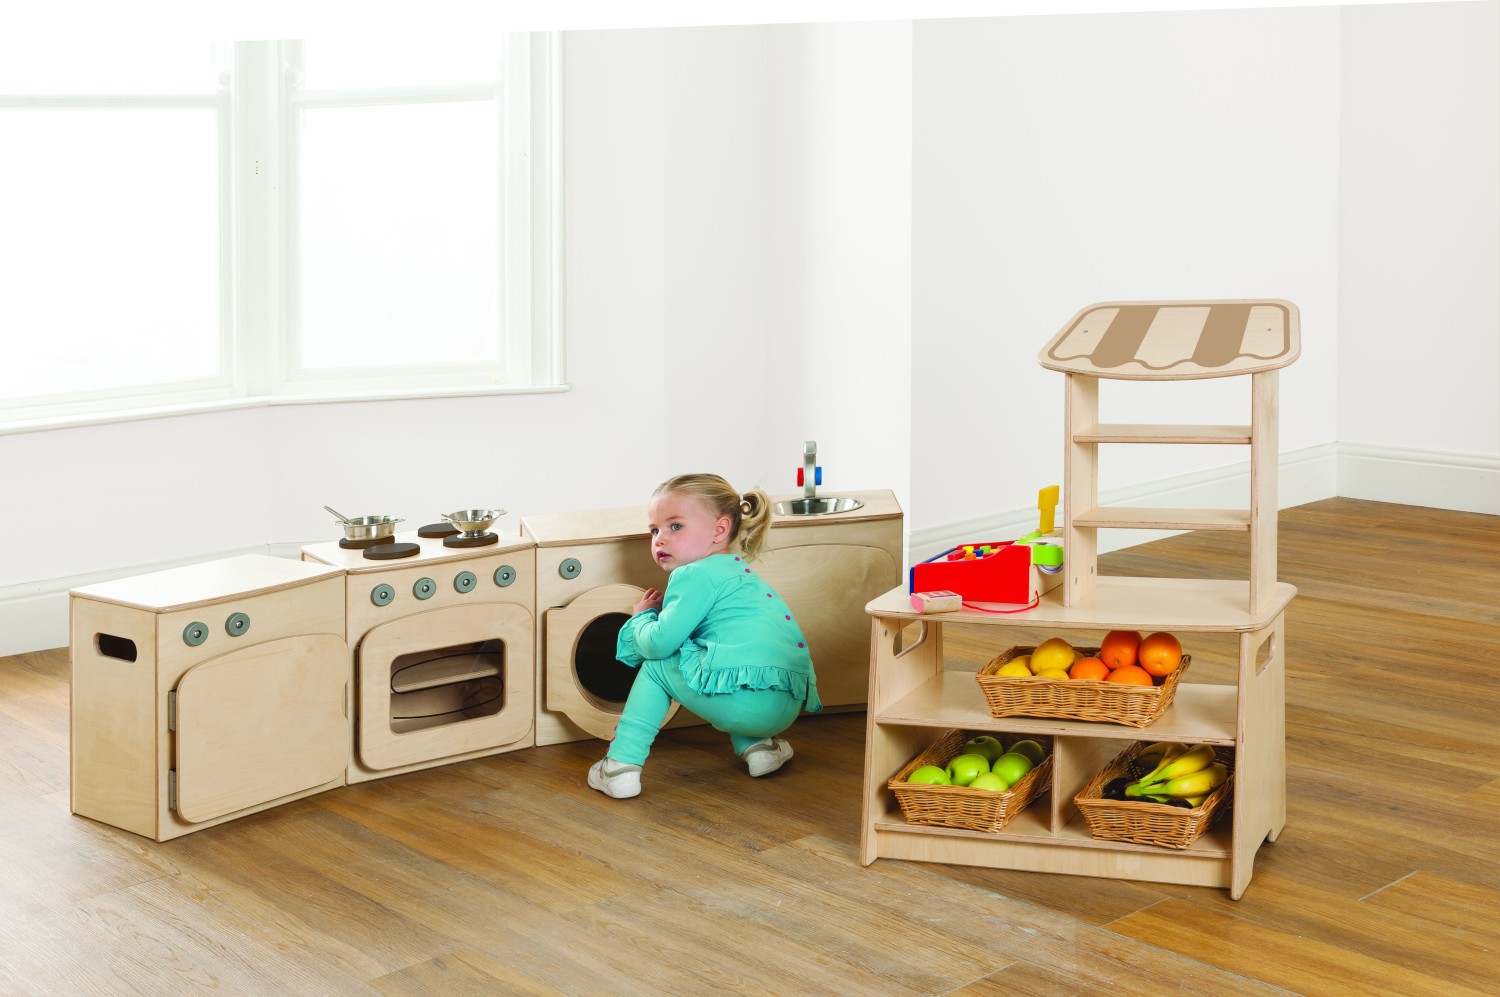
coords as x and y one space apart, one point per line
1165 340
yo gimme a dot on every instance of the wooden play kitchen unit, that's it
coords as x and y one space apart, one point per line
914 697
207 692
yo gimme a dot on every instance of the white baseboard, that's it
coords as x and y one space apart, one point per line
34 616
1461 482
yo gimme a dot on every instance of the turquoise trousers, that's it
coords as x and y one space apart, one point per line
747 715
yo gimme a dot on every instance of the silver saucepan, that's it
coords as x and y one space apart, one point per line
367 527
474 522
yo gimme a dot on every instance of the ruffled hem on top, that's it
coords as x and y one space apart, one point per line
717 681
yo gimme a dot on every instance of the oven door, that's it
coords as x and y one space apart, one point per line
444 683
259 724
585 681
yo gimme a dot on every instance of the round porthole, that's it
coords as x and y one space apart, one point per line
237 624
425 588
504 575
195 633
382 595
465 581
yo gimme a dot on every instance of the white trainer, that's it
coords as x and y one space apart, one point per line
766 756
615 779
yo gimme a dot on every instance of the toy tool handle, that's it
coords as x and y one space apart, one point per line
1046 503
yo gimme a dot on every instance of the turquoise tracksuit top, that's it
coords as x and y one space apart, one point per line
729 629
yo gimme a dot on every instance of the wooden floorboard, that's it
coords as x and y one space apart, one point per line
507 875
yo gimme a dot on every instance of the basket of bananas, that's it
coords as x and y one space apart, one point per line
1164 794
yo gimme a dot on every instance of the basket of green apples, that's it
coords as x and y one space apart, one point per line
978 781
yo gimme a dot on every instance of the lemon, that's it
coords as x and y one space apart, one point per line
1014 669
1052 673
1053 654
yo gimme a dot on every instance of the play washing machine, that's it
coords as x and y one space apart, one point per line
592 567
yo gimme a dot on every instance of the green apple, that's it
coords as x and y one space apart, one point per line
929 774
1030 749
984 745
963 769
1012 767
992 781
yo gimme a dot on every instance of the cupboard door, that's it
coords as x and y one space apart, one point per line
261 723
827 586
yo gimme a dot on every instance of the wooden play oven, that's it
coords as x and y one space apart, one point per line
440 649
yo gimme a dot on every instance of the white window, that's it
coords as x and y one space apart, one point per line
275 221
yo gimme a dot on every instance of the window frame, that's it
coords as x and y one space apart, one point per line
257 305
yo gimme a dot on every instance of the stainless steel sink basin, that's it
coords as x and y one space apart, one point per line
816 506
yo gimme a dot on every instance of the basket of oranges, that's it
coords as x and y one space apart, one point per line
1128 679
971 780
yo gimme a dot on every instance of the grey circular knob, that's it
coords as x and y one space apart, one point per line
237 624
504 575
195 633
570 568
425 588
465 581
382 595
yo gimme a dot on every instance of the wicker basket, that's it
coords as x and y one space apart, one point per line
1075 699
960 806
1146 822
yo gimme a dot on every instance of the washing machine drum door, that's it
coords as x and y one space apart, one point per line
585 681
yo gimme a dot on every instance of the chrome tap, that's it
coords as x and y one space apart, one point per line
811 474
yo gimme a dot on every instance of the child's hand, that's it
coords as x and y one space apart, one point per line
650 600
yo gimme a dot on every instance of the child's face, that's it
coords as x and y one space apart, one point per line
683 530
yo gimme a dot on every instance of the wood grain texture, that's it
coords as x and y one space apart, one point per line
507 875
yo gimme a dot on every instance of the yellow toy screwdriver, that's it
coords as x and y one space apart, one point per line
1046 503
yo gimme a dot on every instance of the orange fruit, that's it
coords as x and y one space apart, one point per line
1088 668
1119 647
1130 675
1160 654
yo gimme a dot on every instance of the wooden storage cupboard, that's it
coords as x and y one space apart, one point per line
208 692
915 695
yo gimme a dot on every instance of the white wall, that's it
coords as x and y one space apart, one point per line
1419 354
1062 161
862 234
840 255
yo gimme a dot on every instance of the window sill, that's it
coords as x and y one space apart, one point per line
104 418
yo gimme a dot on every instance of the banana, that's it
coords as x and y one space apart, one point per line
1195 801
1156 750
1196 784
1170 751
1196 759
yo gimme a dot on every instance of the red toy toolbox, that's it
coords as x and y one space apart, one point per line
996 572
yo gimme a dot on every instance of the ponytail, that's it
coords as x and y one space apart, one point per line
755 519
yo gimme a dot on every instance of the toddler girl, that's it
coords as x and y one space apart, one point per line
719 641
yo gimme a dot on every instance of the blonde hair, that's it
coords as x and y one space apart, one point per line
749 514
